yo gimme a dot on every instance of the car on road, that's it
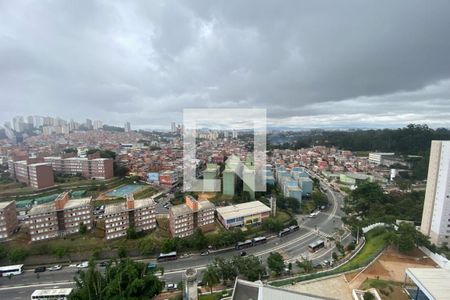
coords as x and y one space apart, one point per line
55 268
243 253
171 286
204 253
103 264
83 265
40 269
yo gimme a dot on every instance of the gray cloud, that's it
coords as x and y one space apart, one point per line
317 63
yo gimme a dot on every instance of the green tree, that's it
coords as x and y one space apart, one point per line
249 266
306 265
368 296
131 233
82 228
211 277
17 255
293 204
126 279
60 251
275 262
169 245
122 252
147 246
272 224
226 269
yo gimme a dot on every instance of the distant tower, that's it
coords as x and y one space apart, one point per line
127 127
190 291
173 127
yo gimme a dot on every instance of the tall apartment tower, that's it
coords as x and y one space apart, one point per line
436 208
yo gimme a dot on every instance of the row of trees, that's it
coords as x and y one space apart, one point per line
148 245
124 279
226 270
369 204
412 139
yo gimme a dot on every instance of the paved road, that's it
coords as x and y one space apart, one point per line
292 247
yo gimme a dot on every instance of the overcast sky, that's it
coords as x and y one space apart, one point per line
310 63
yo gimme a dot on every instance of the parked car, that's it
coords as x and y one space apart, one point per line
204 253
83 265
171 286
40 269
55 268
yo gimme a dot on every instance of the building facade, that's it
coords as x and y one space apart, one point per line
8 219
140 214
59 218
185 218
436 209
36 174
249 213
96 168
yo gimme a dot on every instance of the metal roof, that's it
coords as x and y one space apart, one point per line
242 210
434 283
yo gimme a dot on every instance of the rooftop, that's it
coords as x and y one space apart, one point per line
245 290
42 208
181 209
3 205
77 203
205 205
52 292
433 282
243 209
143 203
111 209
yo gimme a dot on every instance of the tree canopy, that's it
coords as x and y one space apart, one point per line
124 280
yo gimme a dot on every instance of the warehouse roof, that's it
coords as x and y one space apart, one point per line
243 209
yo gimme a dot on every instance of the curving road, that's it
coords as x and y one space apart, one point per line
292 247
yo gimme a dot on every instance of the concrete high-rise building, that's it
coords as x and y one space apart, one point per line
436 208
88 123
127 127
98 125
173 127
18 124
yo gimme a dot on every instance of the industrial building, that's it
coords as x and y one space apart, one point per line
249 213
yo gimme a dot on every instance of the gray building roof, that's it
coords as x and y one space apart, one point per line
246 290
434 283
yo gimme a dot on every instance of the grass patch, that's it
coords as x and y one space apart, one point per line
144 193
283 216
375 243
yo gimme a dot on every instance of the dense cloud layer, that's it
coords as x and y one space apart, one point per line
315 63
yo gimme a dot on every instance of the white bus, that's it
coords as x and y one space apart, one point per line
6 271
51 294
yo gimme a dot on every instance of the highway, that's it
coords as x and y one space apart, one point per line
292 247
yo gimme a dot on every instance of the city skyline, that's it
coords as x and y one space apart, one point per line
314 65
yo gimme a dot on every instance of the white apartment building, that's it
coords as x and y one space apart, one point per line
436 209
